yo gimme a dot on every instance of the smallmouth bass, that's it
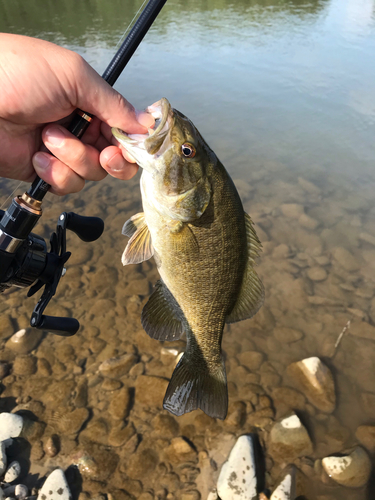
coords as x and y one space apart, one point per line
204 246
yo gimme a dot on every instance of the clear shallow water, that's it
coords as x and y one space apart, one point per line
283 92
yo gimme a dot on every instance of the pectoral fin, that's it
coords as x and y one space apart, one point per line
162 317
251 296
139 247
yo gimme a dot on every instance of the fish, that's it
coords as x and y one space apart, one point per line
204 246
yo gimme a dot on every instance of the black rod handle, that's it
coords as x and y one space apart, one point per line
86 228
81 120
66 327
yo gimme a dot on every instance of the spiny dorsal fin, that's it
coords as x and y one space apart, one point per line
139 247
134 223
251 296
162 317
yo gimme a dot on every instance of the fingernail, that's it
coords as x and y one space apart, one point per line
145 119
116 163
41 161
55 136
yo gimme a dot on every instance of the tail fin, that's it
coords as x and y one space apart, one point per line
195 386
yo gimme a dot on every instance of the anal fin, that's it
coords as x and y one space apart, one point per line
139 247
162 317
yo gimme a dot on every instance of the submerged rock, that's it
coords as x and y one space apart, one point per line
366 436
54 487
237 479
3 458
314 378
10 425
13 471
351 470
24 341
286 487
289 439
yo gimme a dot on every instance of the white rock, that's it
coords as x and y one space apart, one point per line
3 458
21 491
12 472
351 470
286 488
55 486
315 379
10 425
237 479
289 439
212 495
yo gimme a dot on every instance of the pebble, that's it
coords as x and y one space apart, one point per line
362 330
180 450
4 369
25 365
286 488
317 273
213 495
366 436
368 238
292 210
251 359
10 425
55 486
346 259
24 341
12 472
351 470
21 491
289 439
308 222
315 380
119 407
150 391
287 335
286 398
237 479
52 446
117 367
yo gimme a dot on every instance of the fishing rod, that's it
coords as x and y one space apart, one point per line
24 259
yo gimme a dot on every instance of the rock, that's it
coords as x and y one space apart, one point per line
286 399
141 461
71 422
21 491
165 425
137 287
292 210
317 273
3 457
111 384
180 450
237 479
236 414
12 472
117 367
10 425
368 403
251 359
24 365
43 367
287 335
351 470
119 407
362 330
261 418
213 495
308 222
121 434
346 259
55 486
289 439
24 341
315 380
368 238
6 326
137 370
366 436
52 446
150 391
308 186
286 487
190 495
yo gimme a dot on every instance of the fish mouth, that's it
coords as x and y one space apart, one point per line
146 148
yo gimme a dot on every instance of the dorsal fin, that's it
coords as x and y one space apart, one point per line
162 317
139 247
251 296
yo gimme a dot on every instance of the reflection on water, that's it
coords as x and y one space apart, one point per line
283 92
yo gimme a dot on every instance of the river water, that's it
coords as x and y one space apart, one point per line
283 91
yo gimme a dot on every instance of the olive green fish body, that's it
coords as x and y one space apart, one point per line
204 247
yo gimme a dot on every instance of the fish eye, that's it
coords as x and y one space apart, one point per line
188 150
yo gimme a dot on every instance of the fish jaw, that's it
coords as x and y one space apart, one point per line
148 149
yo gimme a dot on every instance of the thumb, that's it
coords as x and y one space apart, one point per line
96 96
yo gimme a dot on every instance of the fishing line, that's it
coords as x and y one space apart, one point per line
131 22
12 193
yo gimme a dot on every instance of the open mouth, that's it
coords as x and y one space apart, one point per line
141 146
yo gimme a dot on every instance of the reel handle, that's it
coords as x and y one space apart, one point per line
86 228
65 327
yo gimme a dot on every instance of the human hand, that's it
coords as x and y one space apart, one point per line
42 83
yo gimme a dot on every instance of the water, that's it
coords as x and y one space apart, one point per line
283 92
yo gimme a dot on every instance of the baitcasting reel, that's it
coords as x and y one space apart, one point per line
26 262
